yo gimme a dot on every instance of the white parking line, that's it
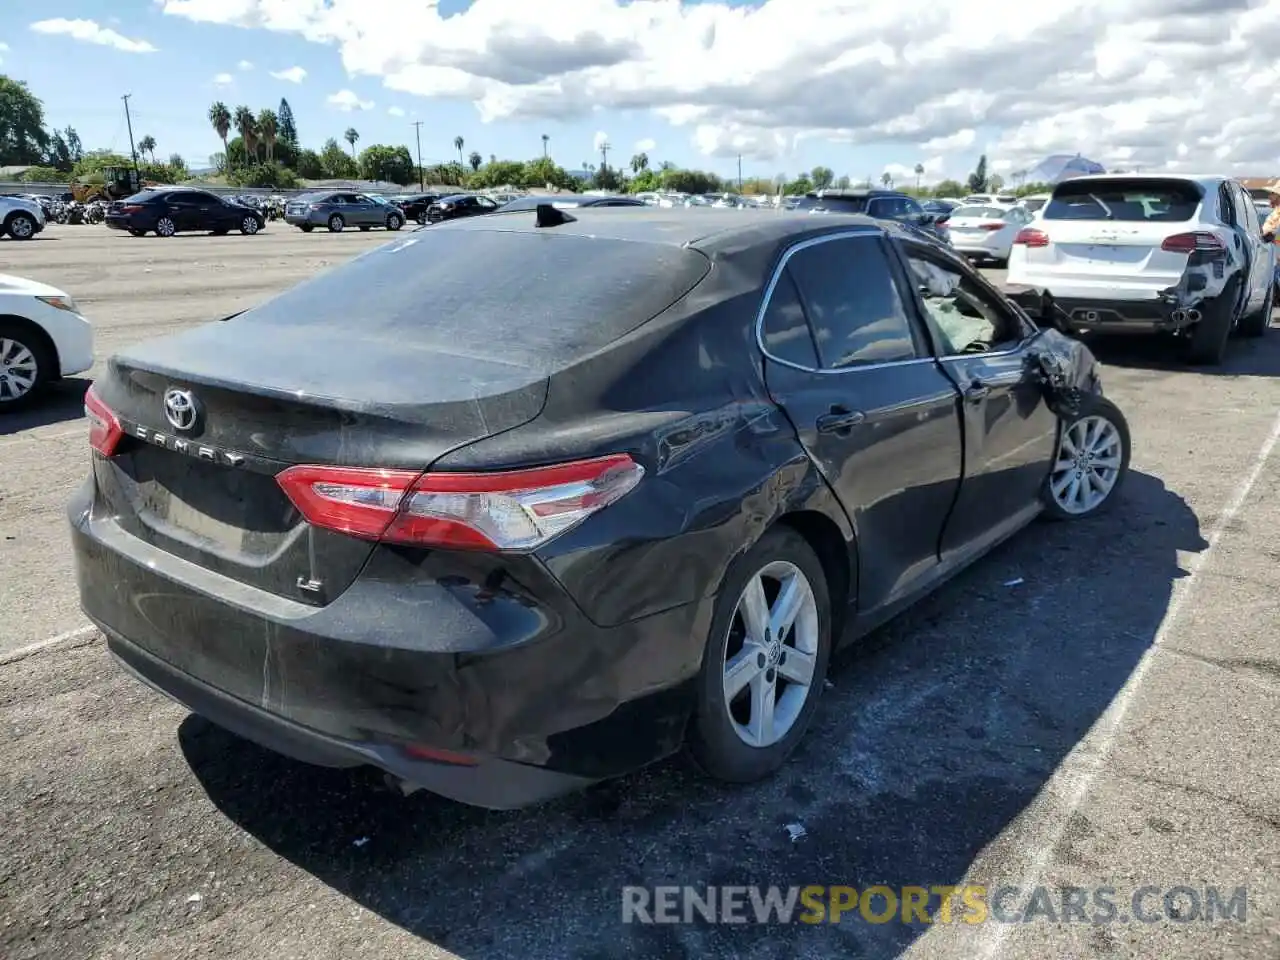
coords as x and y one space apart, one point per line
79 633
1100 741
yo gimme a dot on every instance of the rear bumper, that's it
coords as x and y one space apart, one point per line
1105 314
540 700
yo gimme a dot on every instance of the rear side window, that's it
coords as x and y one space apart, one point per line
785 330
1130 199
814 204
854 303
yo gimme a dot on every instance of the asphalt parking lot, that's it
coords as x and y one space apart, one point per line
1092 705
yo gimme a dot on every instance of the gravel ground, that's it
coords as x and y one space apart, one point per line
1091 705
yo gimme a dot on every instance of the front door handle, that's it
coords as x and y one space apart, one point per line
840 420
977 390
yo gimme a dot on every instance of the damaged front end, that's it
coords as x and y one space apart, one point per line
1065 369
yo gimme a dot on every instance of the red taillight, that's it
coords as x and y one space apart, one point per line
506 510
1031 237
1200 241
132 208
991 226
105 431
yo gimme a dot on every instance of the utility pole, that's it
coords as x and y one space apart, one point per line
417 132
739 173
604 155
132 151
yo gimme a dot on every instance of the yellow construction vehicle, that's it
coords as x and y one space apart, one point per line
117 183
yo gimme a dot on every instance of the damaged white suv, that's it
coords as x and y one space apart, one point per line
1121 253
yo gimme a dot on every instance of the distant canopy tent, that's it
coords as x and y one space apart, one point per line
1061 167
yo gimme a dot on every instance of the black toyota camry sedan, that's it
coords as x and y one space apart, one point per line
526 501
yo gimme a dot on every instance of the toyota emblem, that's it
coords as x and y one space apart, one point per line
180 408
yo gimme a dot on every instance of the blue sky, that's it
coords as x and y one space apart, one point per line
81 83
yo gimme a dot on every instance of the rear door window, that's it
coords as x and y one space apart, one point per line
1128 199
854 303
785 330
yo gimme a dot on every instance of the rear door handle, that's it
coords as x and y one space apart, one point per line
976 391
840 420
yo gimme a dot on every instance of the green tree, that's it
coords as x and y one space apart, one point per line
843 183
269 130
458 144
886 179
822 177
220 118
475 160
919 171
948 188
288 127
59 153
351 136
538 173
148 145
23 138
42 174
393 164
978 179
690 181
178 165
336 162
247 126
546 139
801 185
266 175
74 146
309 165
995 182
639 162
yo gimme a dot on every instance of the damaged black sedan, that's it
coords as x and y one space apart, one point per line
575 492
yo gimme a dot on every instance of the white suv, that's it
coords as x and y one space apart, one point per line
20 218
1150 253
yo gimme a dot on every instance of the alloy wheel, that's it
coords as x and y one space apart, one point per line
166 227
1087 466
21 228
250 225
771 654
19 369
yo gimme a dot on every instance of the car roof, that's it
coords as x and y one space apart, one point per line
1202 179
713 231
856 193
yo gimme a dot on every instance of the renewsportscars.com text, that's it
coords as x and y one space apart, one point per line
970 903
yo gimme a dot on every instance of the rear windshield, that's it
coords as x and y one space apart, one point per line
1033 205
1136 199
832 204
980 213
530 299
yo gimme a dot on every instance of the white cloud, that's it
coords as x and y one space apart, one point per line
647 145
347 101
244 65
600 140
223 80
1098 77
90 31
396 111
293 74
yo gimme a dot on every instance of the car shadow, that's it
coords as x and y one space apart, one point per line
62 402
933 737
1249 358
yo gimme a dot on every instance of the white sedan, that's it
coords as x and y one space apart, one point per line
43 337
986 232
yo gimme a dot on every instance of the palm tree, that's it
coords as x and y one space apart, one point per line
639 162
919 174
247 125
148 145
475 160
220 117
351 136
886 178
545 140
268 130
458 144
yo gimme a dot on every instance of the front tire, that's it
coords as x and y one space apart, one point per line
26 366
395 222
250 226
165 227
765 660
1090 463
305 227
336 223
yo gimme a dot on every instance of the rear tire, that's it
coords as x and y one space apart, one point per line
722 727
1208 343
1092 455
1255 324
250 226
20 226
395 222
336 223
135 232
306 227
26 366
165 227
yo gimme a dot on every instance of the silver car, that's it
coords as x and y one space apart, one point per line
341 209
